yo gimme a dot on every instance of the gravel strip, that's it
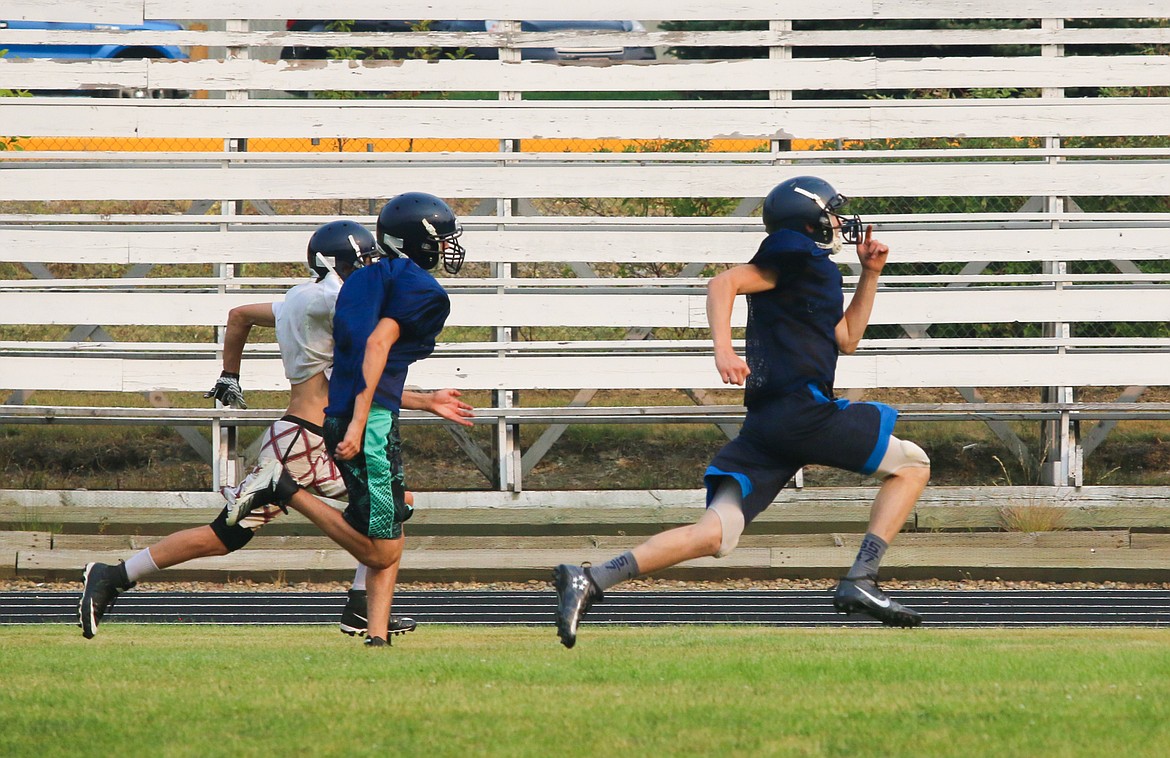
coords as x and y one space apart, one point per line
640 585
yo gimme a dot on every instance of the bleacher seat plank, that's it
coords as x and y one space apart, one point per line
50 182
129 521
904 561
695 10
676 240
135 542
1072 516
25 540
537 372
1104 539
241 562
552 76
578 307
589 119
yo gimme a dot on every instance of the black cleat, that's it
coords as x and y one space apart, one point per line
576 592
402 624
102 584
270 484
377 642
353 618
864 596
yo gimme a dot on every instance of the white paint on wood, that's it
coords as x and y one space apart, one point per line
920 370
785 119
856 37
581 307
74 11
605 245
803 74
30 182
650 9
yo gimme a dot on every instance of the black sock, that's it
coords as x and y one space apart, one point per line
615 570
869 557
122 579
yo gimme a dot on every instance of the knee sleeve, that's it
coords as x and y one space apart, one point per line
232 537
901 454
726 506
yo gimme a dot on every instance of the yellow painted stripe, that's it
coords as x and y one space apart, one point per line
305 145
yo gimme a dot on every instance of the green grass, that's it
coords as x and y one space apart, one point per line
139 690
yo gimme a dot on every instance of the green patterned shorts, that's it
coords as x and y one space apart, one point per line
377 489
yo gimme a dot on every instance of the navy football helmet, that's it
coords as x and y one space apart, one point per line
808 201
423 228
341 241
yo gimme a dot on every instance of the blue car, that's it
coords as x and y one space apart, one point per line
91 52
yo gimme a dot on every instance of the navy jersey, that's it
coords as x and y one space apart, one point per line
791 330
394 288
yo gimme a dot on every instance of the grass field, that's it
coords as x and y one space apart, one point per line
187 690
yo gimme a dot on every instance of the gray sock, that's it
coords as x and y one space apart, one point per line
615 570
869 557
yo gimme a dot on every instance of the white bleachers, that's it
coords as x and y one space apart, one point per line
248 101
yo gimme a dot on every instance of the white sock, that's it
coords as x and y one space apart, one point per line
140 565
359 577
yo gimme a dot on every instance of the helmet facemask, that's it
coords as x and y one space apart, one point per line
451 252
431 247
826 236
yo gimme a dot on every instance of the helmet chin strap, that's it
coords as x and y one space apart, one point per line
326 264
389 242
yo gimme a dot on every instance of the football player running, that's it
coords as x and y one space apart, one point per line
304 333
388 316
797 325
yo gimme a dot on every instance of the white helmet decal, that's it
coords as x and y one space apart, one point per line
812 196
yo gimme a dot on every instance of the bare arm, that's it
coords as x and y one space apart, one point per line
378 346
721 293
240 321
444 403
851 327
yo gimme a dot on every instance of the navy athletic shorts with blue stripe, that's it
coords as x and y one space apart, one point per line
786 433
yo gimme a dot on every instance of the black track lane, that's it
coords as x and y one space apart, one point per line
788 608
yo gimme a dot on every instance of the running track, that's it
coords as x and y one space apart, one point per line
789 608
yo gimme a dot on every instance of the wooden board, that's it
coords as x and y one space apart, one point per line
22 539
605 244
45 182
610 9
585 120
799 74
1108 369
858 37
76 11
1069 563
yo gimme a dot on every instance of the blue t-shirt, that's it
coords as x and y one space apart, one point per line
792 329
394 288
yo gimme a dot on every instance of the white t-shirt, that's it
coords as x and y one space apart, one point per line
304 328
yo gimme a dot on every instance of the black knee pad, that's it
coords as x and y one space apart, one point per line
232 537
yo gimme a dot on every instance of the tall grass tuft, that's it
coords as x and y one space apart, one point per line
1033 517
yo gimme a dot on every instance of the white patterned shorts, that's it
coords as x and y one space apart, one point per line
299 446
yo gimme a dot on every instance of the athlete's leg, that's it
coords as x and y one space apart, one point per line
183 546
380 591
894 501
905 470
376 554
683 543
